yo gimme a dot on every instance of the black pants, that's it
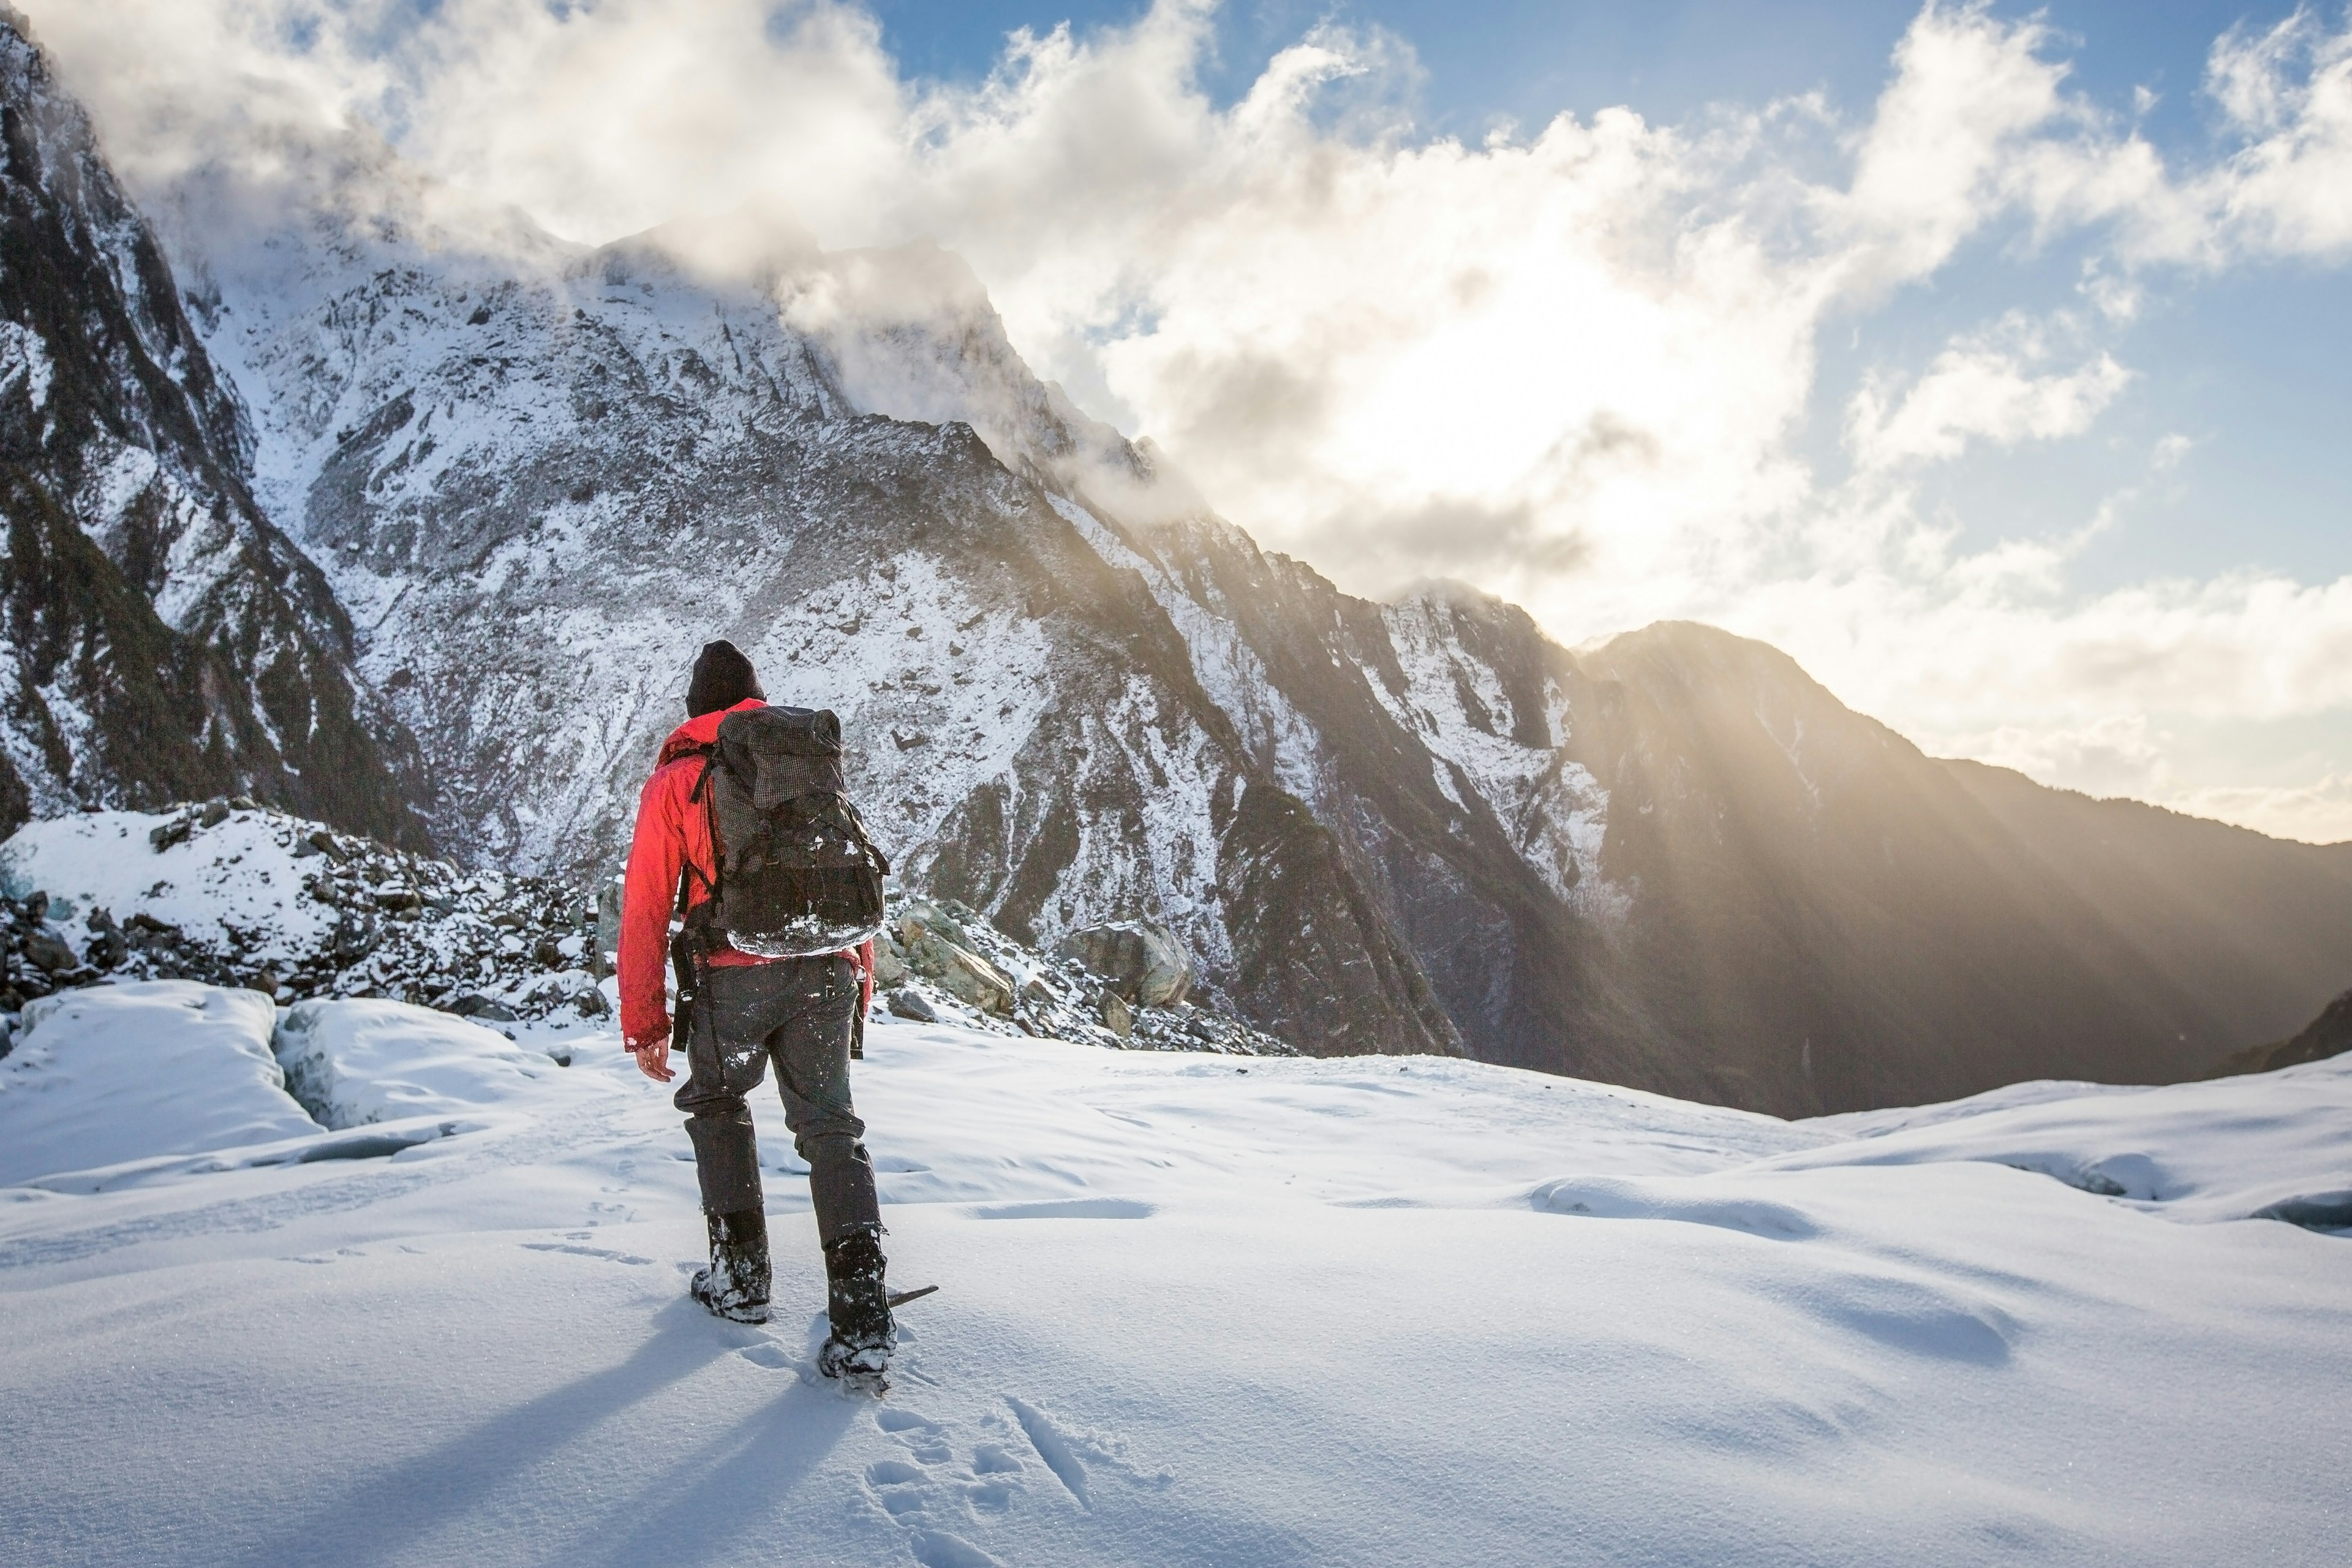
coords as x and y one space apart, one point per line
801 1013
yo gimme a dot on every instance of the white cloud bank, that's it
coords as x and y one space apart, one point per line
1571 367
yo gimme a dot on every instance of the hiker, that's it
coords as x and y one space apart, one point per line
740 1009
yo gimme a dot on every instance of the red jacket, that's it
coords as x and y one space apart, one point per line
670 832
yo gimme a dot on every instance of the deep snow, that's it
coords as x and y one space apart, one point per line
1367 1311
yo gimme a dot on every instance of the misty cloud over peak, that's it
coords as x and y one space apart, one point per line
1584 366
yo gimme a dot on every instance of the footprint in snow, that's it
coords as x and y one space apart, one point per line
578 1251
1053 1449
777 1354
938 1549
923 1485
1615 1197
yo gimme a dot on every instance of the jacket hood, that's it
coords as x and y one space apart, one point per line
699 732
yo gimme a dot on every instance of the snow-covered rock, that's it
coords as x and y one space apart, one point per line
942 960
125 1072
239 894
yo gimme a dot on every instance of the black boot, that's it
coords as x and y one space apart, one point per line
736 1284
858 1304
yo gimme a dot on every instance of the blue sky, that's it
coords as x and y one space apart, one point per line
1670 59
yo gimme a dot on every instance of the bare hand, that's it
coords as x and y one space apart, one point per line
652 1058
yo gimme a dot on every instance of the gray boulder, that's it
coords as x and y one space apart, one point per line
927 935
1141 961
1116 1016
889 961
49 951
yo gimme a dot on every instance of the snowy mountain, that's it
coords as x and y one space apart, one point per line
531 477
540 478
370 1281
164 640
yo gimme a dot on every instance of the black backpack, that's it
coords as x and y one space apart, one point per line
797 874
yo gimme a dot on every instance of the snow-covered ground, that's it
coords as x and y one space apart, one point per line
1375 1311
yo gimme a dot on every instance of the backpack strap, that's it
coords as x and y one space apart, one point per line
691 945
687 872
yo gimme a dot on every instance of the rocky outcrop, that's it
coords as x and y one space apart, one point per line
1134 960
941 958
930 942
233 893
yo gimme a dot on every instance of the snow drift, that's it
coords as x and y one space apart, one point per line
353 1063
126 1072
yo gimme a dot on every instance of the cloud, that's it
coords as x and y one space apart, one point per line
1938 157
1575 366
2319 812
1978 392
2114 755
2289 191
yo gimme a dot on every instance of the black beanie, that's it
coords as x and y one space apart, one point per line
723 677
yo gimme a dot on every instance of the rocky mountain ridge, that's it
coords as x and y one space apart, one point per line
164 638
535 476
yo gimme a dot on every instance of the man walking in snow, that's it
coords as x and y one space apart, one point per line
739 1012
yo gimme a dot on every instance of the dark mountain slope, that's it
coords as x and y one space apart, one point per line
165 639
1837 916
2329 1035
2260 928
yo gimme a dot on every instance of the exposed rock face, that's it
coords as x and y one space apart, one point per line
943 958
162 639
937 947
1137 960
